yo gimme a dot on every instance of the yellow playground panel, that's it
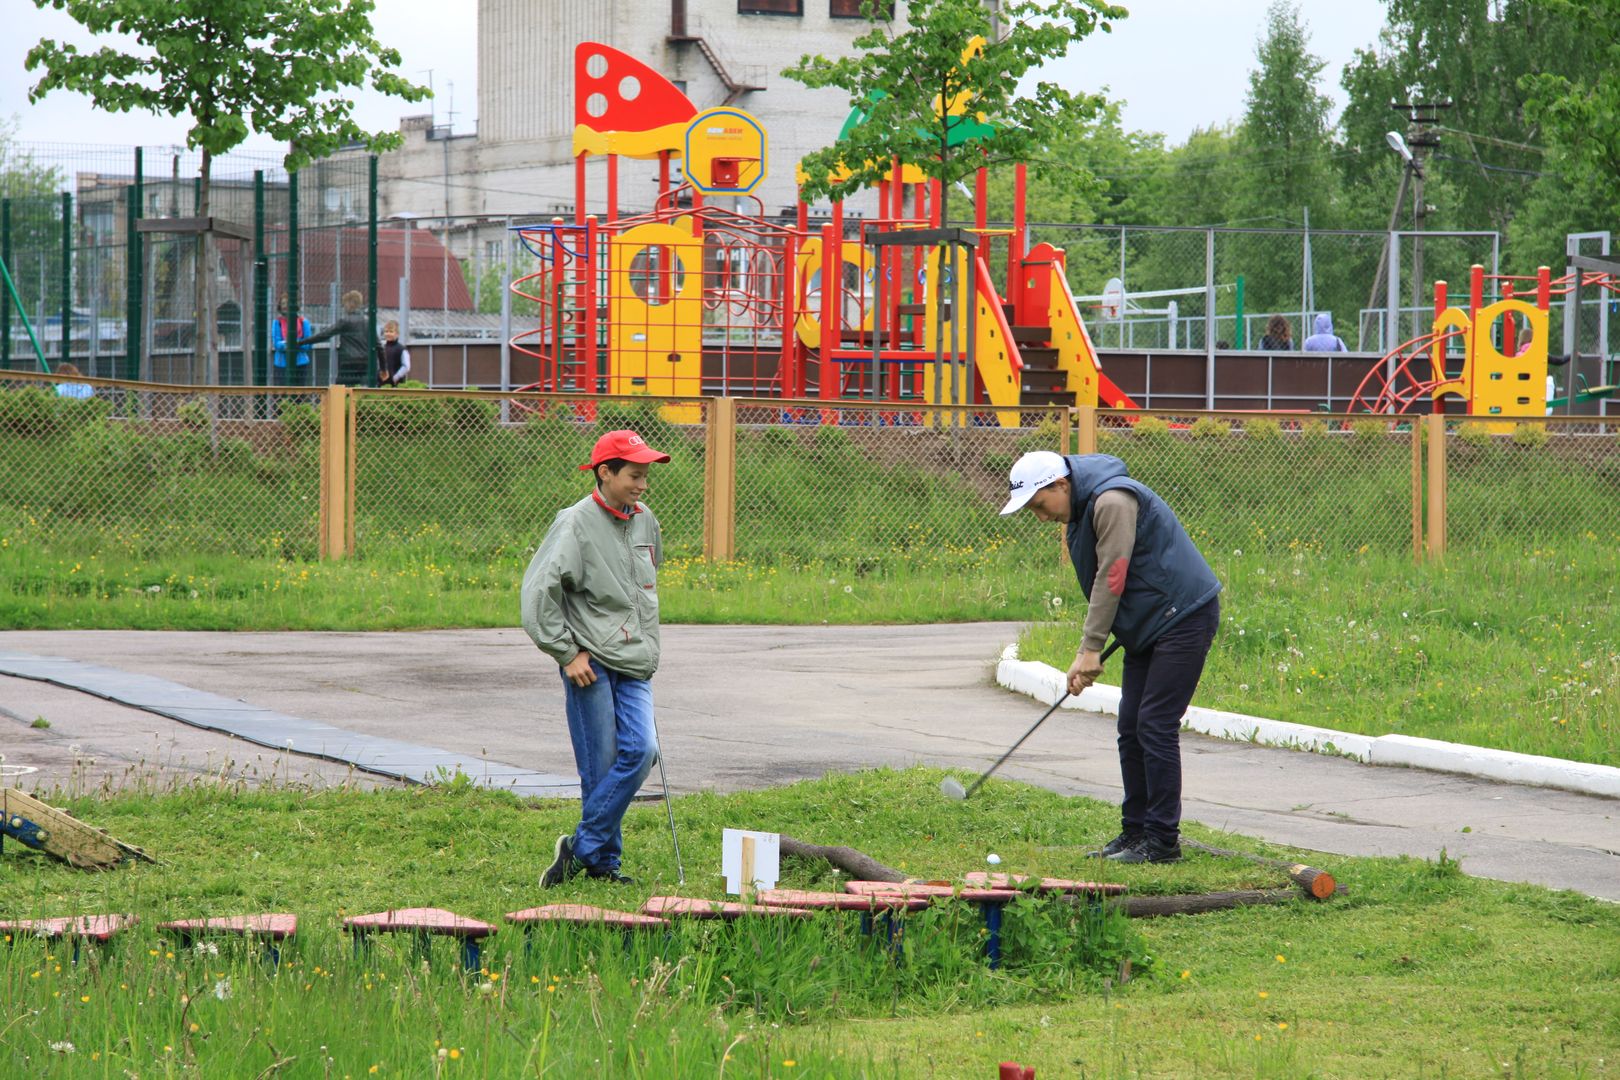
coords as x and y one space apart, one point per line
655 316
1491 383
992 338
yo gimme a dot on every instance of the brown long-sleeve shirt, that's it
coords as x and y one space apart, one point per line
1114 516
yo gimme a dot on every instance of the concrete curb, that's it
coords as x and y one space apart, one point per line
1044 683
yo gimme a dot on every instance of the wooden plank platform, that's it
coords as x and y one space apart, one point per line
421 920
930 889
1043 885
584 915
87 927
692 907
275 926
61 835
803 898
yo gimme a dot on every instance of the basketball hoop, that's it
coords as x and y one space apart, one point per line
1113 300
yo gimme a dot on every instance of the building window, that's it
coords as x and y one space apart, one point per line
770 7
851 9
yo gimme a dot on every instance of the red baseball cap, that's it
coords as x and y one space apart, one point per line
622 444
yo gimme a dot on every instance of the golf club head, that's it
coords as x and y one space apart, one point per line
952 789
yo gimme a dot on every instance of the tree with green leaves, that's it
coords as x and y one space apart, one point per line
1580 113
905 81
236 68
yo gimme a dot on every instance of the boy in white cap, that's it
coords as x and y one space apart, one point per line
1147 583
590 602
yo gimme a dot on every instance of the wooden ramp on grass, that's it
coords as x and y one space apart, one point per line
584 915
691 907
804 898
1043 885
57 833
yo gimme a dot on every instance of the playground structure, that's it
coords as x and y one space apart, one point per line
693 296
1502 376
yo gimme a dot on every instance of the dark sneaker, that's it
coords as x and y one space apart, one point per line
1122 842
609 875
562 865
1150 850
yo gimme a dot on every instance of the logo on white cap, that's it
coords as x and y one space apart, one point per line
1030 473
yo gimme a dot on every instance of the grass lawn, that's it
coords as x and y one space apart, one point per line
1517 650
1418 971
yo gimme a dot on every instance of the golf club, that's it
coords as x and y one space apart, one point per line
952 787
680 870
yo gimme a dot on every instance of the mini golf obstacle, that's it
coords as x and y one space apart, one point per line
94 929
423 924
59 834
270 930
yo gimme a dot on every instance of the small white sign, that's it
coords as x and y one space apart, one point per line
767 858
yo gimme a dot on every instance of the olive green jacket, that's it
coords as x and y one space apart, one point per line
593 586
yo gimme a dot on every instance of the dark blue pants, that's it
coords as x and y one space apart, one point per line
1158 686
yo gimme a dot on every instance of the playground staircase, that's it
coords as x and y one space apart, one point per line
1043 381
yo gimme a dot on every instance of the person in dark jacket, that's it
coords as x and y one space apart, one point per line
354 355
395 362
1279 336
1149 585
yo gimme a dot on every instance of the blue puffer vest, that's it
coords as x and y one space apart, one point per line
1168 579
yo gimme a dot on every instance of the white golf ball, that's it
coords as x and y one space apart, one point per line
993 859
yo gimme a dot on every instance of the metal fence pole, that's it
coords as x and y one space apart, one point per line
1209 319
133 322
371 270
261 287
506 323
295 373
5 296
67 277
1392 298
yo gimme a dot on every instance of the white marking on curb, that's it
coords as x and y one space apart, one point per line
1044 683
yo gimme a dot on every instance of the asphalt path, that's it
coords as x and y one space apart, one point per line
750 706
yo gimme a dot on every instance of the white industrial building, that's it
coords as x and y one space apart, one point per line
520 162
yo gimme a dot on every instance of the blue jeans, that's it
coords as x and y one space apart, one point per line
1157 687
615 747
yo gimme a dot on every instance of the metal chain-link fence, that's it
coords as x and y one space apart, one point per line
1540 485
873 489
94 470
1326 484
440 480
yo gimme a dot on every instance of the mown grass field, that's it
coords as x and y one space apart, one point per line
1417 971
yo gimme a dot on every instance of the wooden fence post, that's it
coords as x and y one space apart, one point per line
720 481
334 530
1086 415
1437 486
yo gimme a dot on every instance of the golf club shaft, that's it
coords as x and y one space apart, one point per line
680 871
1003 759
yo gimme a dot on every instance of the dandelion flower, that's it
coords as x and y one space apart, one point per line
1263 994
1282 1025
788 1063
1186 974
1281 959
455 1054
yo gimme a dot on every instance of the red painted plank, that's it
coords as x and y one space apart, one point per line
93 927
801 898
694 908
585 914
1063 885
428 920
277 926
925 888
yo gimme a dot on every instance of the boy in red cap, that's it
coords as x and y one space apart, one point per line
590 601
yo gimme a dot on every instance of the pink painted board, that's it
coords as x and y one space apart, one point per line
428 920
93 927
583 914
692 907
981 879
926 888
802 898
277 926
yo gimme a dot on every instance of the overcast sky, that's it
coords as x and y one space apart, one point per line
1177 65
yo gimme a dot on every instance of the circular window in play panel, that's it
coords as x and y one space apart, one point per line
596 66
657 275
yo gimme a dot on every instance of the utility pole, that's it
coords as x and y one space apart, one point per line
1421 117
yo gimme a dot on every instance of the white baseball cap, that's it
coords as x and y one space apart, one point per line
1029 474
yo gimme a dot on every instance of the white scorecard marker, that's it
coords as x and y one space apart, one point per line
750 860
